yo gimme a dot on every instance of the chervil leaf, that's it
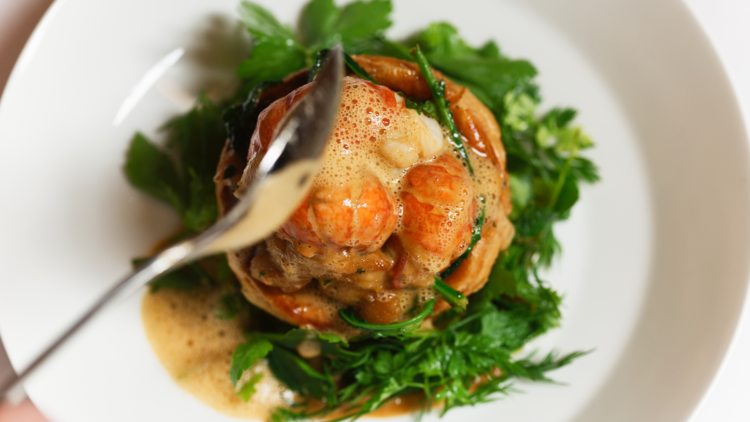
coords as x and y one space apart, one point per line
520 192
501 282
510 329
567 197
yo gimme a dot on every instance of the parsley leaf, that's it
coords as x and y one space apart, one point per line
245 355
488 73
323 24
362 19
272 59
152 171
276 51
317 21
473 342
181 173
298 375
263 24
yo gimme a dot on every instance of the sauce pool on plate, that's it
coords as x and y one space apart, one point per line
195 347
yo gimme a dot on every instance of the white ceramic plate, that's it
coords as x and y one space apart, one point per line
655 263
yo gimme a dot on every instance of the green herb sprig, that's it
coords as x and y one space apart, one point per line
278 52
478 339
443 108
455 298
476 235
181 174
396 328
348 60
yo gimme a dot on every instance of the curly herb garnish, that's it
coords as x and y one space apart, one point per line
474 339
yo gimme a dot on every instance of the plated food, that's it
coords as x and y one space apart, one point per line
360 299
393 207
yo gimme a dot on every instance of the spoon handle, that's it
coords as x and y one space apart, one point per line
283 177
164 261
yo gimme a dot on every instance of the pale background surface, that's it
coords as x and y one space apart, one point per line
17 20
725 22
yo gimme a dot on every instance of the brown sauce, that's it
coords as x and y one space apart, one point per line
399 406
195 347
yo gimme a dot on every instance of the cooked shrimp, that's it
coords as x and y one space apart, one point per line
358 215
438 209
400 75
476 122
392 207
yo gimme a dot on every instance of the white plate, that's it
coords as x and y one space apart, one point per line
655 264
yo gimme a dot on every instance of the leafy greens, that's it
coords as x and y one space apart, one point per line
471 342
181 174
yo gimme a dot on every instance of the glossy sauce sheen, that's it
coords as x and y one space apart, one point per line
375 137
195 347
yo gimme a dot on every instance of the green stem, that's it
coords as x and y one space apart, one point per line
320 59
317 65
360 324
357 69
476 235
438 95
564 174
203 273
455 298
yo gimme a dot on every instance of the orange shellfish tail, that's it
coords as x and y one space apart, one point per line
438 207
357 215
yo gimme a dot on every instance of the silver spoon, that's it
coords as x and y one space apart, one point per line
283 178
